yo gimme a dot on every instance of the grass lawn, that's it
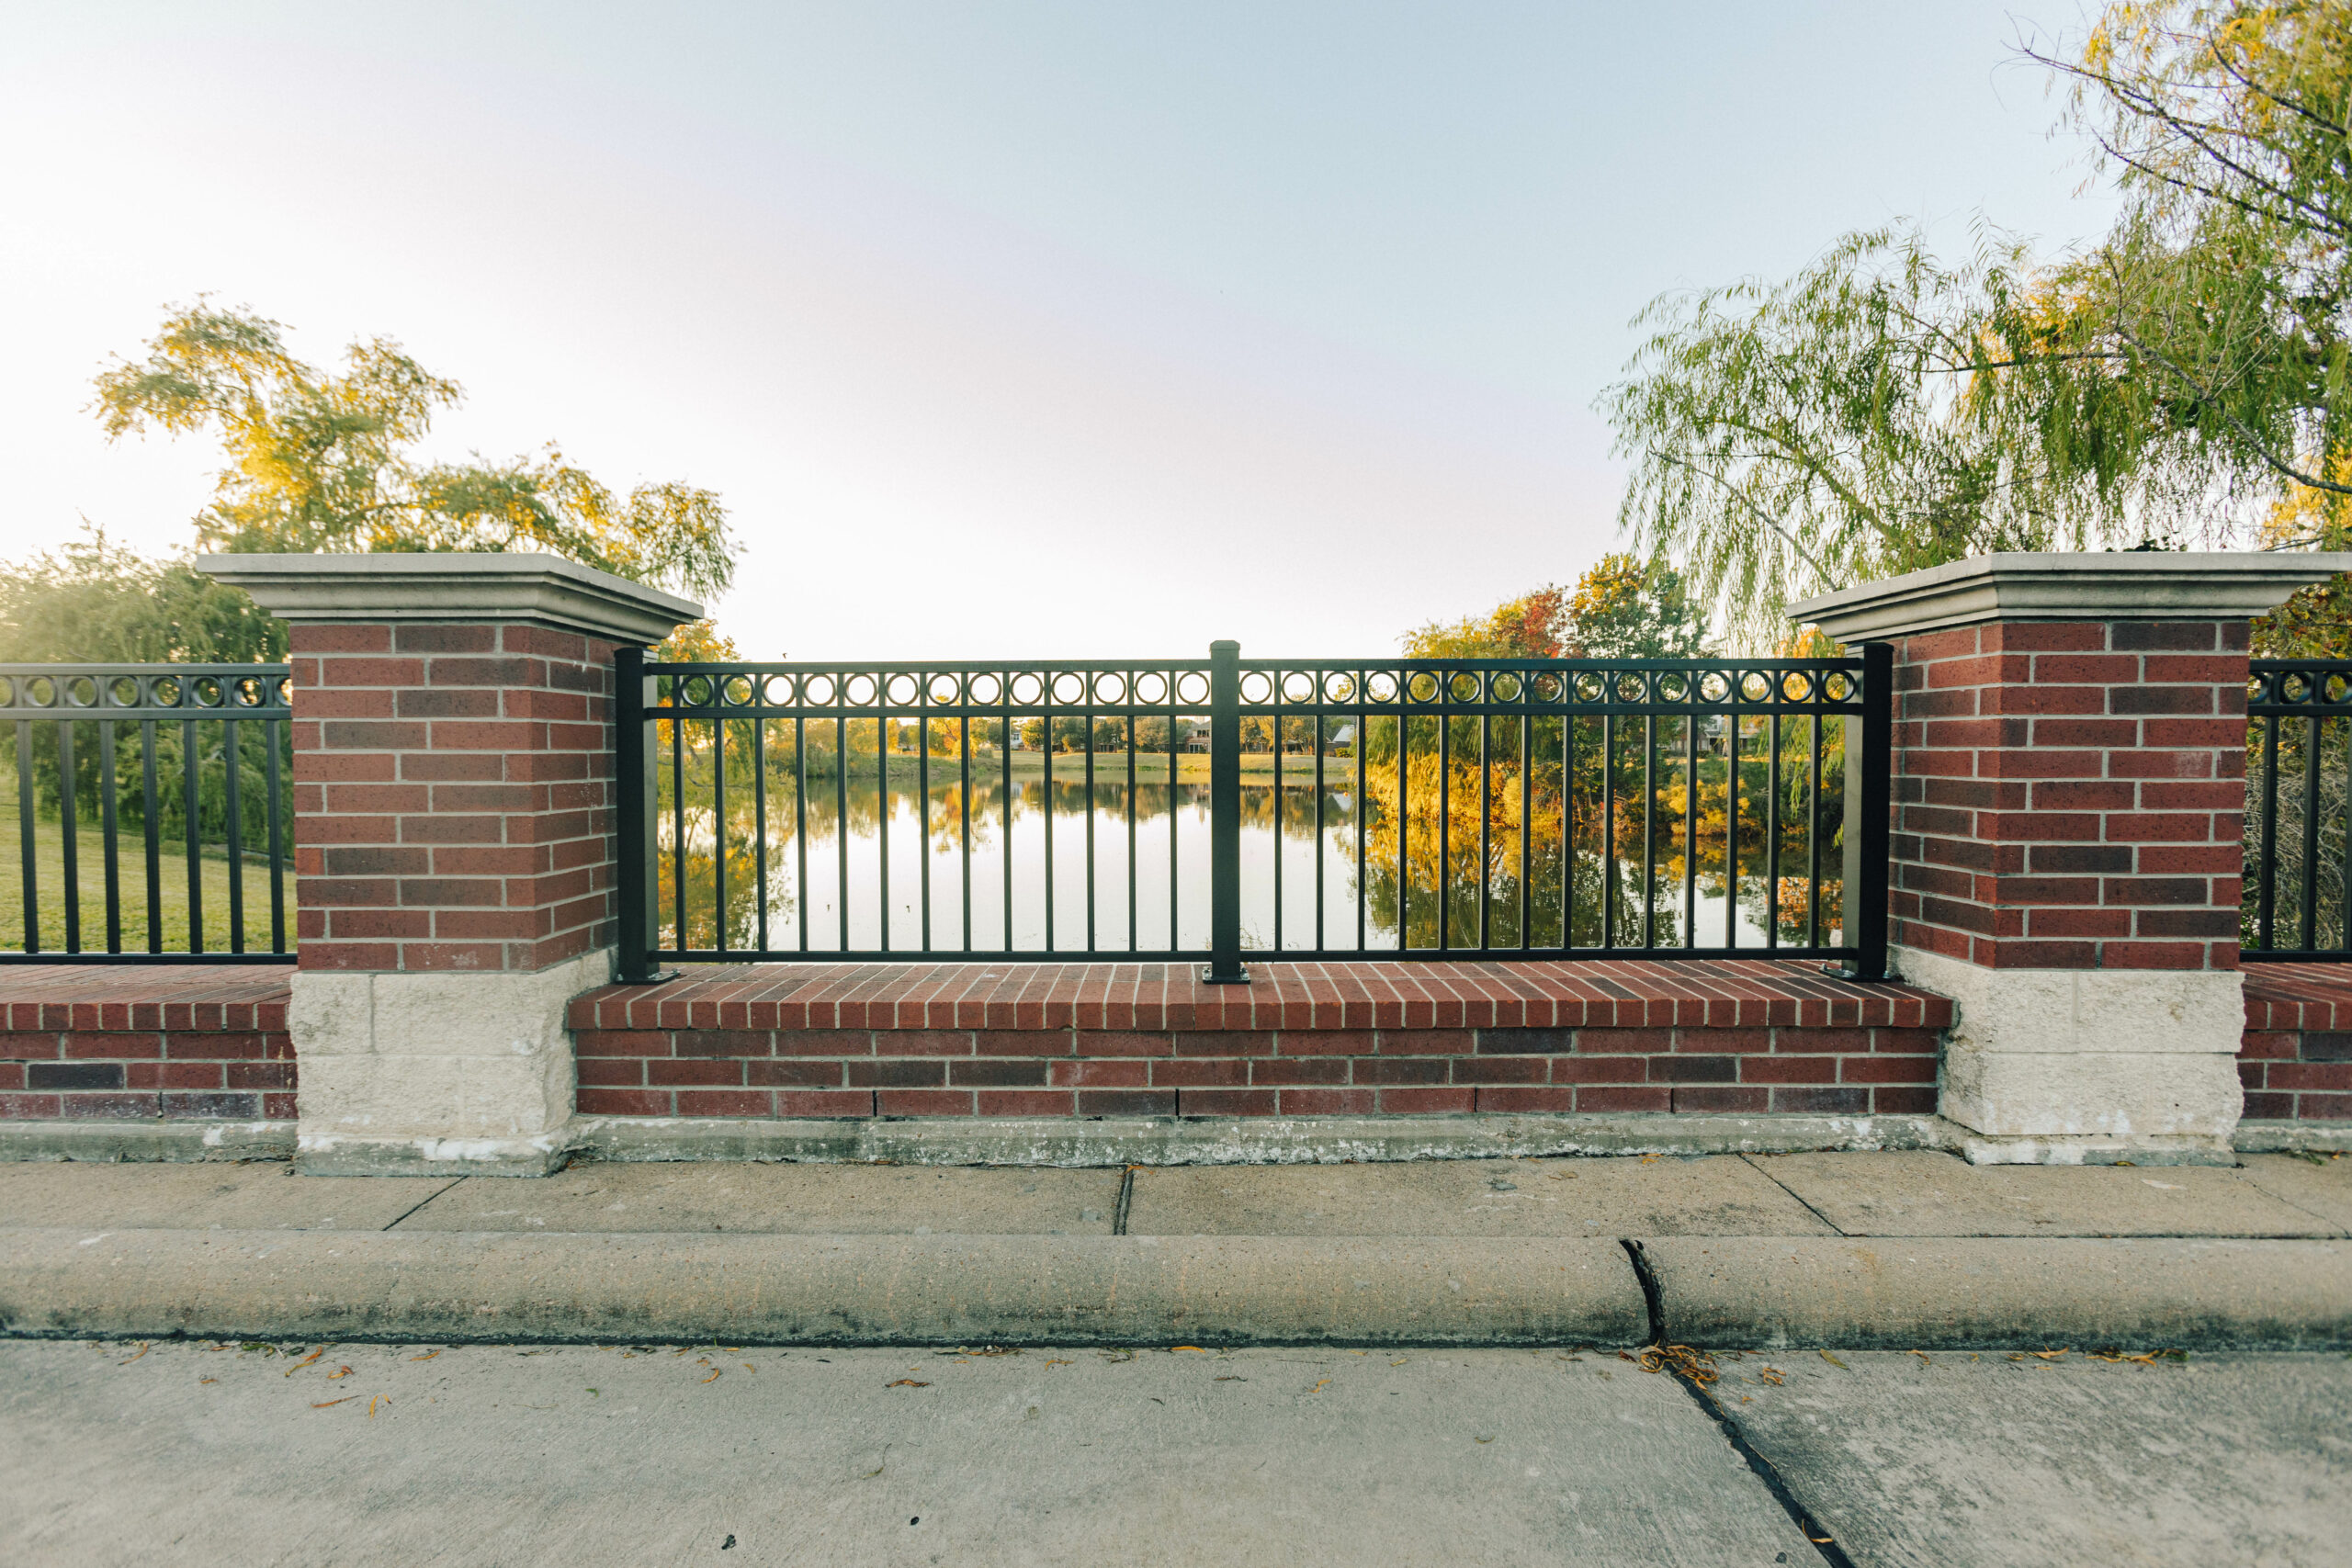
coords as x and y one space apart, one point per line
172 905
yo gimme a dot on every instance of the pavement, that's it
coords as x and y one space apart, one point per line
265 1453
1893 1249
1900 1358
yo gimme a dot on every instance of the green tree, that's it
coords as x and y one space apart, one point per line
1625 608
318 459
93 602
2186 378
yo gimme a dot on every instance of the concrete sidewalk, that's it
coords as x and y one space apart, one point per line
1897 1249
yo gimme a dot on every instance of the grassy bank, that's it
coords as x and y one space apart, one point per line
172 905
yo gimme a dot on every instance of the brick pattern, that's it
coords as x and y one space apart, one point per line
2071 795
1745 993
2296 1062
192 1041
1260 1072
452 796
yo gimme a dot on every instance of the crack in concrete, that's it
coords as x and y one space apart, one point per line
1792 1192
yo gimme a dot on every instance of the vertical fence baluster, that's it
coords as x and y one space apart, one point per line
1485 811
1275 698
800 820
882 749
1772 825
2310 934
717 820
1086 717
69 831
922 796
1322 936
154 834
1609 828
25 834
1812 825
1362 721
963 809
1127 733
1649 829
634 801
2268 880
760 819
272 732
1175 944
188 814
233 834
841 813
1691 721
1526 824
107 832
1225 815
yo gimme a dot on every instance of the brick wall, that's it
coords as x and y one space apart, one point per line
185 1042
452 796
1747 1036
2296 1062
2070 795
686 1072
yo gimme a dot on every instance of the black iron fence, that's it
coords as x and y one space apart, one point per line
190 763
1171 810
2297 889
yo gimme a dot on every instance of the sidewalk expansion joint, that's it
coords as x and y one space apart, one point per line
1767 1173
424 1200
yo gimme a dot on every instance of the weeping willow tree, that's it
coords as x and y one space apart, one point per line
2184 380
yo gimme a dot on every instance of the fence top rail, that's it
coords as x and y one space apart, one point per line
146 691
1461 686
2277 686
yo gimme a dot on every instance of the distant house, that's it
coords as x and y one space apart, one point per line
1196 736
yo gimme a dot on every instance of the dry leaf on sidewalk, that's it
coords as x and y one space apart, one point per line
906 1383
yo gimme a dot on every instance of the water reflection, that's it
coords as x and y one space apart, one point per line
1037 866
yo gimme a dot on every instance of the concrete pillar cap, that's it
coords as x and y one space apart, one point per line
2153 585
538 590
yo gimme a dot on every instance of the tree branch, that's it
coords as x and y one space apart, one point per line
2207 397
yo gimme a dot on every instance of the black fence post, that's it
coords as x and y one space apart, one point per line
633 805
1870 793
1224 816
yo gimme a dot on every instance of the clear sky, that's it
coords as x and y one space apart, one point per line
1004 328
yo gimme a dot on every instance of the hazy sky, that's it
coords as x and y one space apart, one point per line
1004 329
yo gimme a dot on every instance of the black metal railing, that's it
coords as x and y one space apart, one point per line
191 763
2298 888
1171 810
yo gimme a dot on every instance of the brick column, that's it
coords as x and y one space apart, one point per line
453 832
2068 837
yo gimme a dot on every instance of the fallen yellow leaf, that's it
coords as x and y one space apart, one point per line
338 1374
1833 1362
326 1404
426 1356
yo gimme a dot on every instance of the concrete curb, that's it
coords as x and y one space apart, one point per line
1927 1293
2291 1137
146 1142
1241 1139
867 1290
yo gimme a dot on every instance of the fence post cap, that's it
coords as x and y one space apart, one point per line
541 589
2128 585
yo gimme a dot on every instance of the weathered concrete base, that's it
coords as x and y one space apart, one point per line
1944 1292
865 1289
426 1074
1241 1139
2090 1149
139 1142
2062 1065
2291 1137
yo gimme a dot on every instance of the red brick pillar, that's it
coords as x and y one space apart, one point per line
2067 841
453 829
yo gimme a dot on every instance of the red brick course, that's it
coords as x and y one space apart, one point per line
189 1042
2070 795
2295 1061
452 796
1301 1039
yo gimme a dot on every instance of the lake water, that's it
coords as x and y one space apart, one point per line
850 900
